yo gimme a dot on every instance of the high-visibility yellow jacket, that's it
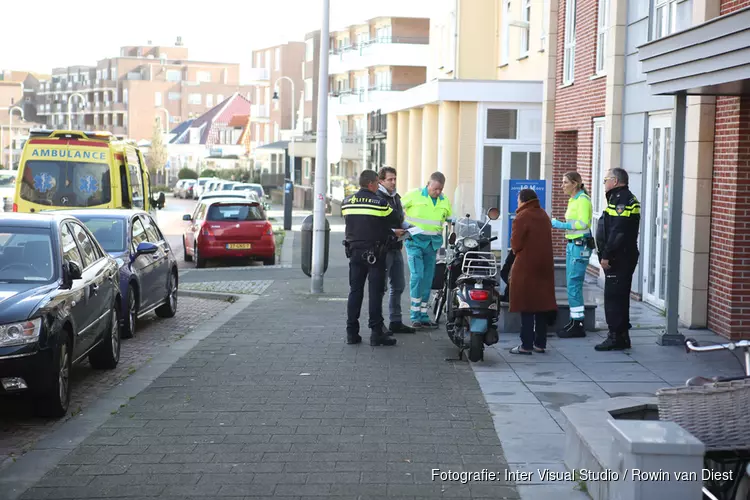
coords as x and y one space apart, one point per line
577 217
428 214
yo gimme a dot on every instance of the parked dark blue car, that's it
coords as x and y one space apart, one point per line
148 267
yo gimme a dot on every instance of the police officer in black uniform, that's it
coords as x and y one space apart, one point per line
617 248
369 220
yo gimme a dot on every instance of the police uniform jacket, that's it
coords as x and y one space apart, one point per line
617 230
369 220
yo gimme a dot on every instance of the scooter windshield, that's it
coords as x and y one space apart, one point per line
467 228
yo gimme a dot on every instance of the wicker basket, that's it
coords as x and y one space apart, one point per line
718 414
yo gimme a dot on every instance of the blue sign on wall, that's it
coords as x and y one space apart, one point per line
514 187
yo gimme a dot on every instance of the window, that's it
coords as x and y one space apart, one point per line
502 124
157 98
209 100
235 212
601 35
309 49
526 32
570 42
194 98
598 170
307 168
257 132
174 75
136 185
152 232
203 76
70 250
88 249
277 59
307 125
665 18
174 96
506 33
267 64
309 89
219 98
139 235
66 183
257 60
109 231
125 96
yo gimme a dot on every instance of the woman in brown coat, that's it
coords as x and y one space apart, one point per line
533 272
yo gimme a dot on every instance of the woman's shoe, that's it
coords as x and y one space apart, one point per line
539 349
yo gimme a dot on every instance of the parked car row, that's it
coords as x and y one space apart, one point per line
72 284
194 189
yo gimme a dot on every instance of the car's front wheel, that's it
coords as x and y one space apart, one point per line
55 400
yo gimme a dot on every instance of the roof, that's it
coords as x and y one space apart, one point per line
110 213
41 219
218 117
180 129
239 121
275 145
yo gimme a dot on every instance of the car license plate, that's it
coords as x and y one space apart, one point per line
238 246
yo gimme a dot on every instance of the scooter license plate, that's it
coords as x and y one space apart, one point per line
478 325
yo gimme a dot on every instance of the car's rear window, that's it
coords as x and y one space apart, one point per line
234 212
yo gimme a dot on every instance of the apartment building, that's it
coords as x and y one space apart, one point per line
369 63
14 129
123 94
473 120
273 67
311 76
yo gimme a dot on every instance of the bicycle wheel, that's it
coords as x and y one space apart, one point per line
439 304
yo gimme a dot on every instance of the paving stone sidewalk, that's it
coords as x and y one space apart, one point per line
274 404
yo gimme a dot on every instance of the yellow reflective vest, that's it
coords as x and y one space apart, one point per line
426 213
578 216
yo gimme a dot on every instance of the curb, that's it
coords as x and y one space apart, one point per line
200 294
29 468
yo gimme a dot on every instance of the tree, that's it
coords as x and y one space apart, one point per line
187 173
157 154
209 173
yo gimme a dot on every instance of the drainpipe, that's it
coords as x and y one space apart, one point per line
456 39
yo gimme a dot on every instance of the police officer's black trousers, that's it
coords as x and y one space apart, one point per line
375 274
617 283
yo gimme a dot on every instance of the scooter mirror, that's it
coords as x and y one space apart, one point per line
452 238
493 213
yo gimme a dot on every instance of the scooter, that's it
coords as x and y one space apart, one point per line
470 294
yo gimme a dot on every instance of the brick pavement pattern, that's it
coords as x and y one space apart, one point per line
19 429
251 287
274 404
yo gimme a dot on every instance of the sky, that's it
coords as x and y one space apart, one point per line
215 30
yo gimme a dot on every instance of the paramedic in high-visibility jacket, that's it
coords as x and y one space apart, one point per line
427 209
578 246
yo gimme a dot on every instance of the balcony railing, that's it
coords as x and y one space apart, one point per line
418 40
259 74
385 51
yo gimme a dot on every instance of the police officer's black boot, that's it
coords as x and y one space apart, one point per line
353 337
565 328
574 330
613 342
399 327
378 336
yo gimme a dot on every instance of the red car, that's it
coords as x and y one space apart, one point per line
228 229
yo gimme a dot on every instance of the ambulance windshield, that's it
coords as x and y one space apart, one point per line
66 183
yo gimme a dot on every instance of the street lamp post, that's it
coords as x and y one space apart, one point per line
288 176
70 111
10 133
321 161
166 127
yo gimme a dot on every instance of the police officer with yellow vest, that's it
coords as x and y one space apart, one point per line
578 247
369 220
617 247
426 208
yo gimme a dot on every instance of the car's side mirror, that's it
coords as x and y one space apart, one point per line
493 213
187 217
146 248
71 271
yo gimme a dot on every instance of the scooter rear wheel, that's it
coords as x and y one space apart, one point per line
476 349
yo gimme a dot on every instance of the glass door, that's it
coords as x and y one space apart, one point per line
656 204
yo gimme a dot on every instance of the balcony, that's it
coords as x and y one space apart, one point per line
361 101
259 112
114 107
259 76
396 51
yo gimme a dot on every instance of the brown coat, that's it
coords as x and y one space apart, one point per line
533 272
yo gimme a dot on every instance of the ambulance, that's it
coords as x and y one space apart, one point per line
63 169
